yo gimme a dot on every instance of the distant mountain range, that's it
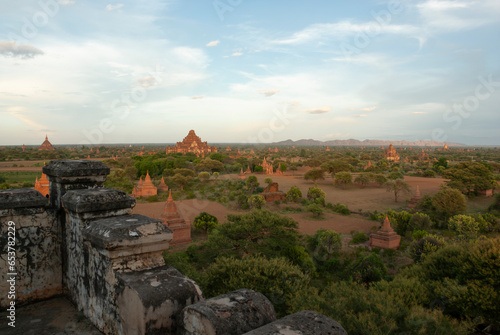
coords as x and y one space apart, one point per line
367 143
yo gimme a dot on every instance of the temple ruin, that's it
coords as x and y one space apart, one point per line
192 143
46 145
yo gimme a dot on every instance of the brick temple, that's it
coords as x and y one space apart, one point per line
172 219
192 143
391 154
145 188
386 237
46 145
42 185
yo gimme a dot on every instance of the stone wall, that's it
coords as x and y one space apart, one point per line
37 246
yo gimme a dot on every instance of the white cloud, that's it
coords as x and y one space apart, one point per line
213 43
111 7
147 81
419 112
320 110
334 30
267 92
12 49
197 97
66 2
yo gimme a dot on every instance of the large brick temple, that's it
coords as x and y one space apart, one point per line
192 143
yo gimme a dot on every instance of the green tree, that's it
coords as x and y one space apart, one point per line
283 167
314 175
209 165
343 178
252 183
471 177
448 202
268 181
256 201
316 209
203 176
363 179
421 248
324 245
317 195
294 194
276 278
380 179
205 222
181 180
335 166
398 186
465 226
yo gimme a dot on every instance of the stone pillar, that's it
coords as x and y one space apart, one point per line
305 322
85 281
30 229
65 175
232 313
115 271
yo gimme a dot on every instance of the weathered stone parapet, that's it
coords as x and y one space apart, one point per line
97 200
151 301
233 313
305 322
37 247
65 175
21 198
132 242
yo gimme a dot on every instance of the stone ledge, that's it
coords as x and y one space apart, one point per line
96 199
21 198
75 168
122 232
232 313
304 322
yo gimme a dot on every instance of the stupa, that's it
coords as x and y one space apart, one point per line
386 237
172 219
145 189
415 199
268 168
46 145
162 187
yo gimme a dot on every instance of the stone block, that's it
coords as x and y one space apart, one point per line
151 301
304 322
21 198
96 200
233 313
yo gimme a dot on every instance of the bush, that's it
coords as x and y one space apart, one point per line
422 247
294 194
315 209
358 238
369 269
341 209
465 226
205 222
276 278
317 195
256 201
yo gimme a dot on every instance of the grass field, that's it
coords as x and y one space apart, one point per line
20 177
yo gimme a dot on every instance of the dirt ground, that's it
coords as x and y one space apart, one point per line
369 198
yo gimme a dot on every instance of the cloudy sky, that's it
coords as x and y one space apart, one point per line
147 71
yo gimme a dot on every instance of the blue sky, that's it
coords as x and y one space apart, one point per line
249 71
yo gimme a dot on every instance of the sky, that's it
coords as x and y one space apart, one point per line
249 71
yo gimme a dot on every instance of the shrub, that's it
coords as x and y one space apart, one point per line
205 222
341 209
359 237
294 194
315 209
276 278
369 269
256 201
422 247
465 226
317 195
